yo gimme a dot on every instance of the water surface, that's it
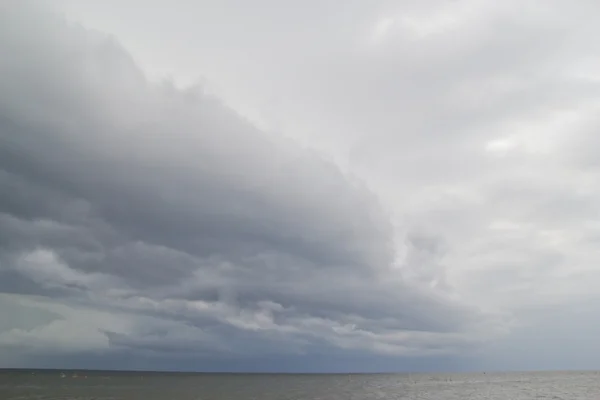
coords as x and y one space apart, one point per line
97 385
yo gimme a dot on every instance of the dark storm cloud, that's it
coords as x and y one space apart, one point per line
154 218
475 122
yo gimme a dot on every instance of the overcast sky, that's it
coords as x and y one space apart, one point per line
318 185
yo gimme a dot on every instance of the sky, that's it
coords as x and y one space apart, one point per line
316 186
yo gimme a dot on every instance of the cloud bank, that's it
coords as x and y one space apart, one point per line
142 218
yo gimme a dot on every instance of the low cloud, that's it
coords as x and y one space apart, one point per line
154 219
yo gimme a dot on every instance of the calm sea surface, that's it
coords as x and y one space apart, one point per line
44 385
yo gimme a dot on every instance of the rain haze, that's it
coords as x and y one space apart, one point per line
315 186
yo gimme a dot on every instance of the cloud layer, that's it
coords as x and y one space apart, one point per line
382 179
139 217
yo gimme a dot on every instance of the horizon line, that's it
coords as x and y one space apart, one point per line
190 372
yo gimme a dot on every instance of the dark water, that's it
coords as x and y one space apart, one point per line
44 385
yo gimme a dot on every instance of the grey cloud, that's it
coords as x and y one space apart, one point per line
474 122
169 210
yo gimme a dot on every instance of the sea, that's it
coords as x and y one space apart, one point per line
102 385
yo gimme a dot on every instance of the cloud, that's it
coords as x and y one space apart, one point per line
433 190
157 220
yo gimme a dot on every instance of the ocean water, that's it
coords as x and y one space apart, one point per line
96 385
